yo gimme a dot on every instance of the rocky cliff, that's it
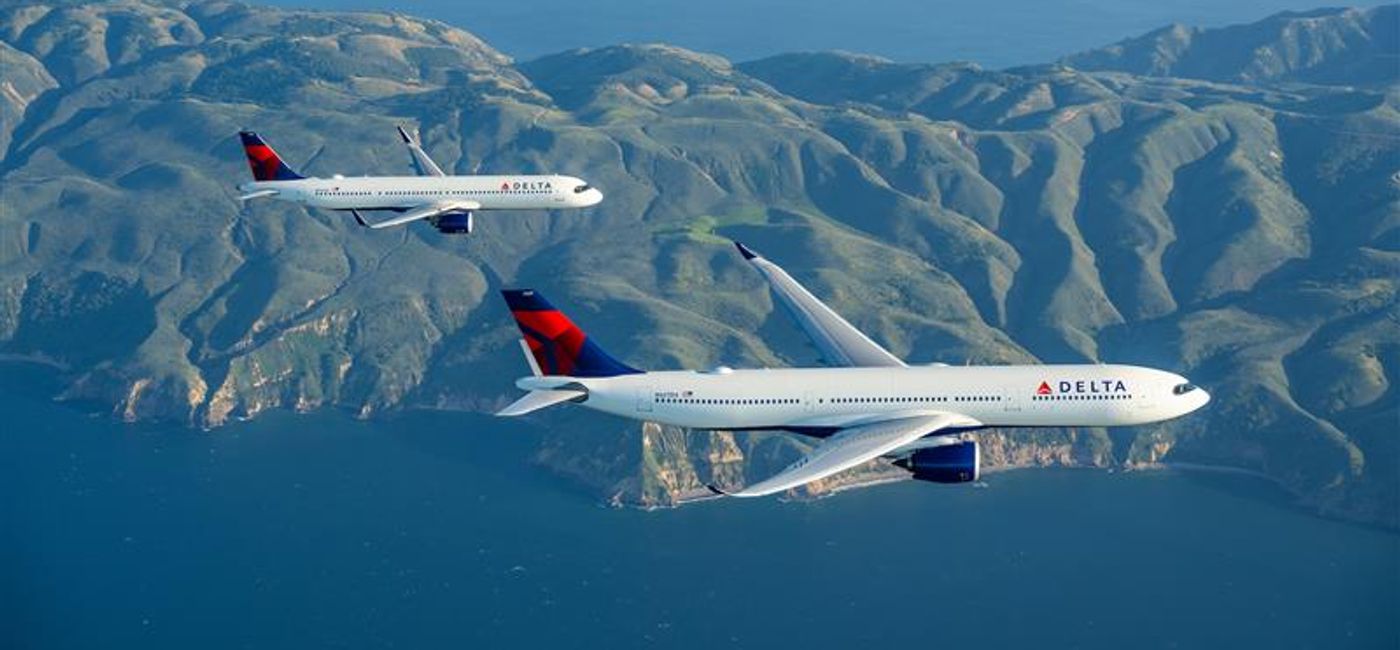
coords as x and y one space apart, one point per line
1240 232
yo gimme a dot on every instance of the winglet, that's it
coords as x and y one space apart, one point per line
422 162
530 359
839 342
711 487
360 219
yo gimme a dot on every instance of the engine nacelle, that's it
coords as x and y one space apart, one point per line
959 462
454 223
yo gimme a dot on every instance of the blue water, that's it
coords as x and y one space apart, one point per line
434 530
995 33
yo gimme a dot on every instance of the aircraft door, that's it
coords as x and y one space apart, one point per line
1011 400
646 398
1145 395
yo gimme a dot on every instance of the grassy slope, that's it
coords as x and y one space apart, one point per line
1243 235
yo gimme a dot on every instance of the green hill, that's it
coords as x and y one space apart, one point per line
1245 235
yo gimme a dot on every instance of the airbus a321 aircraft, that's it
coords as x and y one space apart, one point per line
445 201
871 405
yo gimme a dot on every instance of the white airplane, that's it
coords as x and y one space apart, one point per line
445 201
871 405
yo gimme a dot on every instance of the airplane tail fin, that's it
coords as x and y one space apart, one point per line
266 164
557 345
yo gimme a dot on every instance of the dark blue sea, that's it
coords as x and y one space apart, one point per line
431 530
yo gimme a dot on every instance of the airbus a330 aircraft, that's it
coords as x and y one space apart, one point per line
445 201
871 405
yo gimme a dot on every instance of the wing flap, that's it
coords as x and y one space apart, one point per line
840 343
847 449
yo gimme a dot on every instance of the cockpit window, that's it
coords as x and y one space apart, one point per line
582 188
1182 389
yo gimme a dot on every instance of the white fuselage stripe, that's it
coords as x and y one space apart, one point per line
1079 395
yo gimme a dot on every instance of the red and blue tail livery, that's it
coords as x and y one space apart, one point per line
558 345
266 164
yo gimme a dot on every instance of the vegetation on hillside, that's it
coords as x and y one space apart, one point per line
1239 231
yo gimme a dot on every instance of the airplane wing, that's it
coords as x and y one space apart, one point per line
421 161
426 211
840 343
847 449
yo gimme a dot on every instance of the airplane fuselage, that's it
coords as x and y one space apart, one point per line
815 400
404 192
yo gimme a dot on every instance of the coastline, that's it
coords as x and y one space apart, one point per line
1303 502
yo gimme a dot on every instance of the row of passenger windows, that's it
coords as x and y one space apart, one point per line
753 401
915 400
834 400
427 193
1079 398
890 400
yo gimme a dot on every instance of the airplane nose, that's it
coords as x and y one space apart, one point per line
1199 399
596 197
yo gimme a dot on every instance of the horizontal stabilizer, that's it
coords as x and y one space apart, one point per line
538 399
257 195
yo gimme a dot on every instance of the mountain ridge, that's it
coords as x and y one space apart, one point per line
1325 46
1243 234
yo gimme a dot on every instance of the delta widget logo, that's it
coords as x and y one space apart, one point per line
1083 387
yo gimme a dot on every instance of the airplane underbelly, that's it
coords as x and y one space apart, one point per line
712 418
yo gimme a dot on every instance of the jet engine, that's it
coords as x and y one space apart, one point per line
454 223
959 462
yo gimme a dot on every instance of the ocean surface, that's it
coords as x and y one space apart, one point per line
994 33
430 530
